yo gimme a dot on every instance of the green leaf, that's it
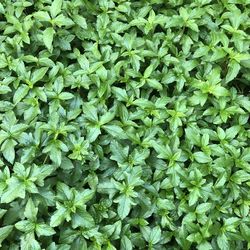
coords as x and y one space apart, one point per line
8 150
155 235
61 20
107 187
148 71
146 233
205 246
38 74
82 219
193 197
232 132
3 61
58 217
4 233
203 208
83 197
28 241
93 133
15 189
202 51
25 226
2 212
20 93
55 8
192 25
154 84
81 21
240 176
42 16
30 210
107 118
90 113
115 131
152 236
233 70
1 9
219 91
4 90
48 35
65 96
126 243
193 135
202 157
124 206
44 230
222 242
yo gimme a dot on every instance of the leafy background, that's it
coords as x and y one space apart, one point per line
124 124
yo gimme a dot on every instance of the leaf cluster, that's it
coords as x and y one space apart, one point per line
124 124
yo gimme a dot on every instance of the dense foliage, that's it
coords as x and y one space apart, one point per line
124 124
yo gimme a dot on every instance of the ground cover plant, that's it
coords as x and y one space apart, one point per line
124 124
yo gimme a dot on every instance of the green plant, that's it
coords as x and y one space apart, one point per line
124 124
